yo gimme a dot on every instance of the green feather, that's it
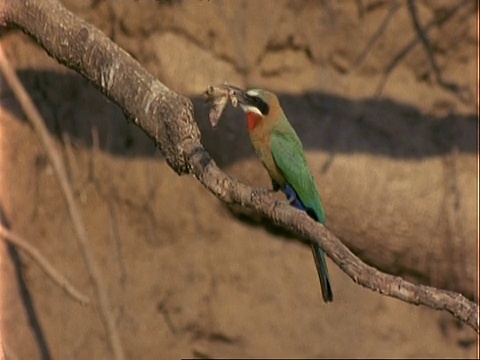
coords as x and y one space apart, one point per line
287 151
280 150
289 157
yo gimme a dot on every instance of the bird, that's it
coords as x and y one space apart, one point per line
280 150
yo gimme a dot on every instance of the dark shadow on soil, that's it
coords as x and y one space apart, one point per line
26 296
74 109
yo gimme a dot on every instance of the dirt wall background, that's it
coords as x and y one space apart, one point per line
393 151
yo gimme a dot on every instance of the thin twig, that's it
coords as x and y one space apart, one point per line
33 115
457 90
414 42
44 264
393 9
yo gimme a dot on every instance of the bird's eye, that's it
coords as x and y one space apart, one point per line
260 104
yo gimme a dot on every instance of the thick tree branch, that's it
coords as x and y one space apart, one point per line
168 119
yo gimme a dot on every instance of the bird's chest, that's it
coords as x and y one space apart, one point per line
260 139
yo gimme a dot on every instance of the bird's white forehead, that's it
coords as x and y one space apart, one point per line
252 92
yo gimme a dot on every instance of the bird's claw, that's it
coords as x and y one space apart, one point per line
287 202
290 200
262 191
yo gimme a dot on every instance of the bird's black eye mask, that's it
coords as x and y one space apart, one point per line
259 104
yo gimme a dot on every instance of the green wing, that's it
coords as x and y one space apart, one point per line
287 151
290 159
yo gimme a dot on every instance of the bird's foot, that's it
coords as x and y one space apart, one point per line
278 204
290 199
262 191
287 202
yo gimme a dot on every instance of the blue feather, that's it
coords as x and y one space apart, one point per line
318 254
293 197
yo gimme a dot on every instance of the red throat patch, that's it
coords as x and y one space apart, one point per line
252 120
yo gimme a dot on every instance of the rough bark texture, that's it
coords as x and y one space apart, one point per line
396 176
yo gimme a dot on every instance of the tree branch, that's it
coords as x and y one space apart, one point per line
421 37
38 124
168 119
462 93
44 264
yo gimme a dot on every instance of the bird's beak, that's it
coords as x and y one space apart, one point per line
239 95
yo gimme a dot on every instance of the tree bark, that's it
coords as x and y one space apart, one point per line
168 119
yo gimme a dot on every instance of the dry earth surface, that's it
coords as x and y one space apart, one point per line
393 151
